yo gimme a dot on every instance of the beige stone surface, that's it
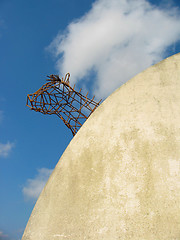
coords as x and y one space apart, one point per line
119 178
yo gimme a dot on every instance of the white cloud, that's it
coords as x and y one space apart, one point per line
33 187
116 39
5 149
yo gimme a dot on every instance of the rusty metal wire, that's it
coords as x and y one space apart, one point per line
58 97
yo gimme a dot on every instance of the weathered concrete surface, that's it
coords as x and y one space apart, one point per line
119 178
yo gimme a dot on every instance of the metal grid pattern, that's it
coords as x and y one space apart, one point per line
58 97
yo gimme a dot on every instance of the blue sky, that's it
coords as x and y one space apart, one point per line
101 43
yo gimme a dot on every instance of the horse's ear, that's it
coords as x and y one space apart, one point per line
67 76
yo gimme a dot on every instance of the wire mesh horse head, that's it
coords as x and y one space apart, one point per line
58 97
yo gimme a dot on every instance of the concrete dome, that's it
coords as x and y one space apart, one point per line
119 178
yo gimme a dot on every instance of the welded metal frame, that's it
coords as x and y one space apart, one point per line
58 97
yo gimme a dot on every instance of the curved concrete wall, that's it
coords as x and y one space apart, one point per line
119 178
